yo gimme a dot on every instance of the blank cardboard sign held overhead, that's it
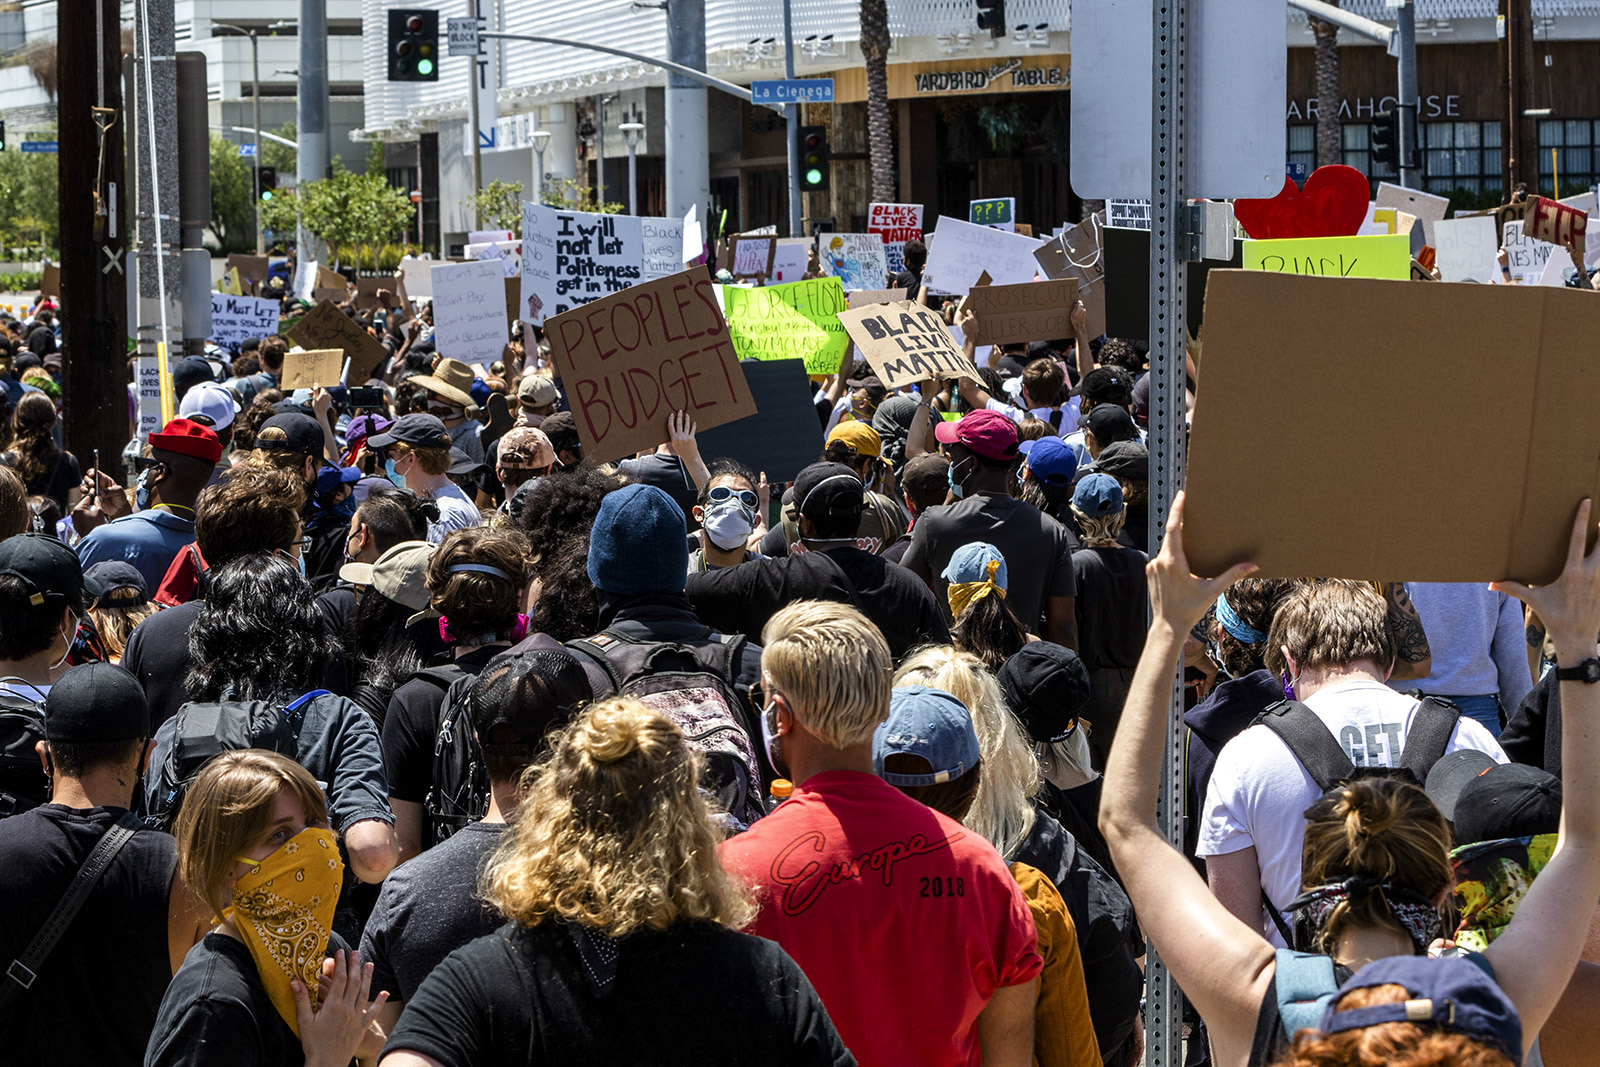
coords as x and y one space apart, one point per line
1450 466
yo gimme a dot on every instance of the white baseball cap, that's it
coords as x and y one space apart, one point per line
215 402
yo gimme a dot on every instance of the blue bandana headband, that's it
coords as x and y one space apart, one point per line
1236 626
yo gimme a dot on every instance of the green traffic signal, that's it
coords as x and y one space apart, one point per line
424 67
813 176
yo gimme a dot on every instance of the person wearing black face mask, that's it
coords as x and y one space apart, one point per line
137 922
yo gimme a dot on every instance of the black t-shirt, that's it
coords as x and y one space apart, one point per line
59 478
411 725
1111 605
96 995
338 607
216 1011
697 993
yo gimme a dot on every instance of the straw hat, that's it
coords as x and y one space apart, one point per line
451 379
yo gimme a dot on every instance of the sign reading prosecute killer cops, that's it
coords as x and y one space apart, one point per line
906 343
631 359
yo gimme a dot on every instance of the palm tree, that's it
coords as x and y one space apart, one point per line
1329 145
875 43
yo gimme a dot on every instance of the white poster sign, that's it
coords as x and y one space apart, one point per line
789 261
1128 214
235 319
570 258
963 251
1525 256
469 311
663 247
856 259
1466 249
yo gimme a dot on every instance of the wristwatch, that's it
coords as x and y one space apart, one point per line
1588 672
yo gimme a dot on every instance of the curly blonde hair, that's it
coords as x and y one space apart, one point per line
613 832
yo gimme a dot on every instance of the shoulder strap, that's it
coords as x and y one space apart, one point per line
594 648
303 701
1277 919
1305 982
1429 736
1310 742
24 969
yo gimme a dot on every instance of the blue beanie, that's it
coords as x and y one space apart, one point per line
639 543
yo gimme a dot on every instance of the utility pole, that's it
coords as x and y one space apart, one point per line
1410 154
475 72
255 100
791 117
688 162
311 107
94 283
1515 32
160 313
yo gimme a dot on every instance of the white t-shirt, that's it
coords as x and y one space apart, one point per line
1259 792
456 512
1014 412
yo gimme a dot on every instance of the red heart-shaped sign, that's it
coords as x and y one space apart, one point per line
1333 204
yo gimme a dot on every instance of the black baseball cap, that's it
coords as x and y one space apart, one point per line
96 702
46 567
1106 385
1449 776
461 463
828 489
1508 800
291 431
121 584
1045 685
526 694
419 430
562 429
1110 423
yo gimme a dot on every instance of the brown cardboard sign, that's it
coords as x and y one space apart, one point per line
325 326
513 299
253 269
331 279
367 295
312 367
906 343
1016 314
1077 254
629 360
860 298
50 285
1403 487
1554 222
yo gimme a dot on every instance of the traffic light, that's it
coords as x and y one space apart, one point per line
815 168
992 17
268 180
1384 146
2 136
413 45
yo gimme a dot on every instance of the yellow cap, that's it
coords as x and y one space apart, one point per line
782 787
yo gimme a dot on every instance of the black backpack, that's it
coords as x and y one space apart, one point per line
202 730
458 792
22 780
693 686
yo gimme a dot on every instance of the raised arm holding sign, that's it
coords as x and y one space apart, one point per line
906 343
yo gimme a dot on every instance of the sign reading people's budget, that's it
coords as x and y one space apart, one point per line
629 360
895 224
906 343
962 251
856 259
796 321
469 311
235 319
570 258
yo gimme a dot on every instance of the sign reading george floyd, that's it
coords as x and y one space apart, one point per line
906 343
1017 314
629 360
1438 350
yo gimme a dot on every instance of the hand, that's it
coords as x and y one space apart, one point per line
1570 605
1177 597
386 299
373 1038
414 329
331 1030
107 493
968 322
1080 316
763 496
682 429
321 401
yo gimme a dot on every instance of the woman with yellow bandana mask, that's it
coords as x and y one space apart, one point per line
984 624
254 843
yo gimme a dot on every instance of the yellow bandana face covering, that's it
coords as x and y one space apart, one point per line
283 909
962 594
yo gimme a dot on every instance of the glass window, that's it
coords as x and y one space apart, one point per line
1567 156
1303 145
1460 155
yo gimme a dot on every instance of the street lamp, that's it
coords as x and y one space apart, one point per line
631 132
540 139
255 100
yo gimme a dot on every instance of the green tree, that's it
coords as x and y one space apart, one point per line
29 202
354 213
233 216
566 193
281 215
283 157
375 163
501 205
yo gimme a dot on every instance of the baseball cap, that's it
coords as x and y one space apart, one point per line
1050 459
96 702
859 436
189 372
1450 774
1451 993
536 390
1110 423
291 431
525 446
988 433
925 476
399 574
461 463
868 381
46 567
1508 800
1098 495
525 694
330 478
1045 685
562 429
1127 461
419 430
970 563
828 489
1106 385
929 723
212 401
188 438
121 584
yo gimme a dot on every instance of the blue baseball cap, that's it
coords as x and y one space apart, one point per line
1051 460
929 723
970 563
330 478
1098 495
1452 993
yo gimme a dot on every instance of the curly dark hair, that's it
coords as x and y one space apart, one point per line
564 504
259 635
476 603
251 418
567 607
252 509
379 653
1255 601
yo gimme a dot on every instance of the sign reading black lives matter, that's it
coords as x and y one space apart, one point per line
906 343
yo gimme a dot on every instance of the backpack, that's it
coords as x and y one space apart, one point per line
203 729
22 781
1319 752
458 792
692 685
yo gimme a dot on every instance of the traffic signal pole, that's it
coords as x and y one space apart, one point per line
472 122
791 114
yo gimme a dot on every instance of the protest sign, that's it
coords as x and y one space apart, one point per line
856 259
997 212
367 295
906 343
789 259
570 258
1075 253
1377 256
1127 285
230 283
1128 214
862 297
312 367
1525 257
795 321
694 237
253 269
305 280
895 224
663 247
784 437
50 284
1466 250
1554 273
1439 351
469 311
419 283
506 253
325 326
961 251
751 256
1425 206
235 319
149 383
1016 314
331 279
1557 223
629 360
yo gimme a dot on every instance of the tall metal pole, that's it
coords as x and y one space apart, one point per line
540 139
159 311
475 72
255 100
631 132
791 116
1410 150
688 157
599 148
311 108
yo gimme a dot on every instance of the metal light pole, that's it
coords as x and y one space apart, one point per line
1410 158
311 109
540 139
255 100
631 132
791 118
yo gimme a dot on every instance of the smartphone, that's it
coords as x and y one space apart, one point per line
380 319
94 486
366 398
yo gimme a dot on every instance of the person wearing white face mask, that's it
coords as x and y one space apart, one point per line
41 603
730 514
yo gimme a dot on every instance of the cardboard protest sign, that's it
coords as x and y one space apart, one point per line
1525 257
1076 253
1437 349
663 247
862 297
1466 250
1557 223
961 251
367 295
789 259
784 437
235 319
1128 214
1127 285
751 256
906 343
1014 314
325 326
1425 206
50 284
629 360
469 311
313 367
856 259
895 224
570 258
1378 256
506 253
331 279
795 321
253 269
230 283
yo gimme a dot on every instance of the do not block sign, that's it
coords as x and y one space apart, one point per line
906 343
631 359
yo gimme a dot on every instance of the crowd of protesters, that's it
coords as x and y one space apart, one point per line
380 723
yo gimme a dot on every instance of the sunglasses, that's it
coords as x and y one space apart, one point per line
725 492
